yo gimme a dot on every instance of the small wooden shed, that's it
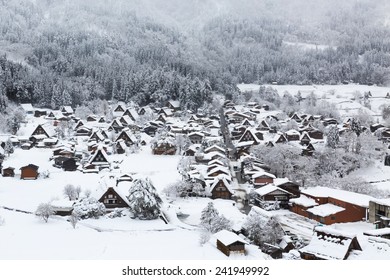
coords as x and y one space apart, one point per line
228 242
29 172
9 172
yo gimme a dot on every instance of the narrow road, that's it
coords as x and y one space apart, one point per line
226 136
240 192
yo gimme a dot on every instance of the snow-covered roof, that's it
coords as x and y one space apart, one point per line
219 168
67 109
244 144
328 244
214 147
224 179
269 188
325 210
292 132
210 155
133 113
126 119
215 161
228 237
385 201
304 201
62 203
27 107
280 181
261 174
378 232
174 103
196 133
350 197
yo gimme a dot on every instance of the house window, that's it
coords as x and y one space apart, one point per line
322 220
110 196
333 218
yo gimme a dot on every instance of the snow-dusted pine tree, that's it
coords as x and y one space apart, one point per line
208 215
8 147
332 136
145 203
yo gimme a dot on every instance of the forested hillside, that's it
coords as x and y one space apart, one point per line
57 52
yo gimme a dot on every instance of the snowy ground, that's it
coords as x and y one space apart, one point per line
378 175
338 94
120 238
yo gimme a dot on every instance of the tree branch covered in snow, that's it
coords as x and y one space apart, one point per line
44 211
89 207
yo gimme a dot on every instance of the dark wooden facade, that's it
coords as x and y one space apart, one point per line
111 199
235 247
220 190
69 164
29 172
164 149
263 180
8 172
291 187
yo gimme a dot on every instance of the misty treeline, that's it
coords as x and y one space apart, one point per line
57 53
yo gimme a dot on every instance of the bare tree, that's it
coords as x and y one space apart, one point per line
72 192
44 211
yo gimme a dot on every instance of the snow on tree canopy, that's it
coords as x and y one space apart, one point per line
89 207
143 199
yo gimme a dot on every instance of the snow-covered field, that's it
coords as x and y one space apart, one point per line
340 95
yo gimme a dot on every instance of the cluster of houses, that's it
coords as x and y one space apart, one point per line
201 138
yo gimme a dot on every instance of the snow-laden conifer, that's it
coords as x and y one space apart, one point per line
144 201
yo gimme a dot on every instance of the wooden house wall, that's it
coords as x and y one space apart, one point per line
28 173
8 172
224 193
224 249
263 181
112 200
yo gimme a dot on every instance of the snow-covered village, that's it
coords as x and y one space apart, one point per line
246 180
194 130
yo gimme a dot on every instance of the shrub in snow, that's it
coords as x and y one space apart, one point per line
44 174
73 219
117 213
143 199
89 207
2 221
177 189
44 211
198 189
72 192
